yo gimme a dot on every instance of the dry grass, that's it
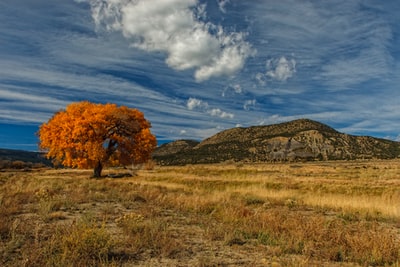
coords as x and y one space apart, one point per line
308 214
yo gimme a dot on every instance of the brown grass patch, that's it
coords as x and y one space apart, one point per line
309 214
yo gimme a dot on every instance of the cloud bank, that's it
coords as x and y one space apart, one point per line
179 29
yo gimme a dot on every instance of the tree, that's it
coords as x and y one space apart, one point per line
88 135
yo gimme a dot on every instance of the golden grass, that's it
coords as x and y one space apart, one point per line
298 214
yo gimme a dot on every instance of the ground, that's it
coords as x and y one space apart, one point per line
284 214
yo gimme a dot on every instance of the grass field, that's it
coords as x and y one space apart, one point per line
292 214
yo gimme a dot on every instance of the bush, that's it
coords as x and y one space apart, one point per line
19 164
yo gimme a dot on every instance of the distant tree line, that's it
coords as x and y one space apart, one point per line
19 164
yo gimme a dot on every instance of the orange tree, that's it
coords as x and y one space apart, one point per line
88 135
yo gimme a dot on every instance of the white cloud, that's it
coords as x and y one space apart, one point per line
261 79
216 112
281 69
229 60
194 103
177 28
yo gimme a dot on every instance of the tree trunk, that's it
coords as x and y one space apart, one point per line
97 170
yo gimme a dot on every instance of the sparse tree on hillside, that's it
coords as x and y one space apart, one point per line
88 135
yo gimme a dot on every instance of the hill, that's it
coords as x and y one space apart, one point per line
297 140
10 158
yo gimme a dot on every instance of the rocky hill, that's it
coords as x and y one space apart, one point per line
298 140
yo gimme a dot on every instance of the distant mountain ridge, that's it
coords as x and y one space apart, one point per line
298 140
11 155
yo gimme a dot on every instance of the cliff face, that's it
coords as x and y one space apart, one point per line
297 140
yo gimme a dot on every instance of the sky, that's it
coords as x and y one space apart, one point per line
197 67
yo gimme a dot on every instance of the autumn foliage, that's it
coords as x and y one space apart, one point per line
88 135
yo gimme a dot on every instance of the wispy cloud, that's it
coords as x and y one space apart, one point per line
281 69
343 73
339 44
232 90
248 104
222 5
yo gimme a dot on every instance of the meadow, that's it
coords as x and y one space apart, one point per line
339 213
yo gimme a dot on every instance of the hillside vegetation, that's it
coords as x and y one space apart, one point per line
340 213
299 140
20 159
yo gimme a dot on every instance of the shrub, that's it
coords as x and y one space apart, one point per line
85 243
18 164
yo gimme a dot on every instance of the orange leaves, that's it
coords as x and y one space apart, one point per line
87 133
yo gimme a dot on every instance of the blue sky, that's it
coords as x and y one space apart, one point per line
198 67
